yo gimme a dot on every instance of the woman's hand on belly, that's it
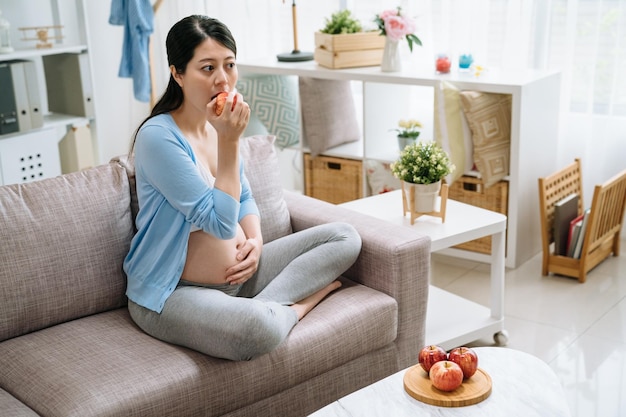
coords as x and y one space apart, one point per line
209 258
248 255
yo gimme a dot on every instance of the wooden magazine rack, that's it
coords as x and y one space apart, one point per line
602 236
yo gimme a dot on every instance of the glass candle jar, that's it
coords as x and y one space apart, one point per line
465 61
442 64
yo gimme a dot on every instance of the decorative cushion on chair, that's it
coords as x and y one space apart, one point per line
489 118
328 114
263 173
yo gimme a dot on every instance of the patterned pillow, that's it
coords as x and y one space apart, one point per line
263 173
273 100
328 114
452 132
380 178
489 118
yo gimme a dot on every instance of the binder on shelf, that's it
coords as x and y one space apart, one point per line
20 93
34 99
68 83
20 110
8 111
565 210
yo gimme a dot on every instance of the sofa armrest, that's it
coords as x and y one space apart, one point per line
394 260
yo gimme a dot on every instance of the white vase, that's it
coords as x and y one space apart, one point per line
391 56
424 196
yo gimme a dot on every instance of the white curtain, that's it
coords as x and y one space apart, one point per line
584 39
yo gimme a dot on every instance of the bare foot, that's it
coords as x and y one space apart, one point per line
305 305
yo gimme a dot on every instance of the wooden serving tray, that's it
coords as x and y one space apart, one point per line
472 390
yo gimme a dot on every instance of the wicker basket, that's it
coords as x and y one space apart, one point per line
470 190
335 180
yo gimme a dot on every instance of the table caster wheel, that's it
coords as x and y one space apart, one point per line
501 338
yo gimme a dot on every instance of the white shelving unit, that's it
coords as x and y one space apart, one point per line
387 96
61 80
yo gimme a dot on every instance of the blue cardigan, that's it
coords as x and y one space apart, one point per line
172 196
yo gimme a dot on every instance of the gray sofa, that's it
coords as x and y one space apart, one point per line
69 348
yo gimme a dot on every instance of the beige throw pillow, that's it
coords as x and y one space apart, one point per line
452 132
262 170
489 118
328 114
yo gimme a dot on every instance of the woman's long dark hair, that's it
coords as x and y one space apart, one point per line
181 42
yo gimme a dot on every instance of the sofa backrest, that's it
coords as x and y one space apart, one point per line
62 244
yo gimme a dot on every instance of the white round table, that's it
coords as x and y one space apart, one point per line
522 385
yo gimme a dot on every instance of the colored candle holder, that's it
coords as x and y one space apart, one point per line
465 61
443 64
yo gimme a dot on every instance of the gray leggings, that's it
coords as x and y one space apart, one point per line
257 318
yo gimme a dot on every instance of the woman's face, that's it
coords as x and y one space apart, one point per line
211 70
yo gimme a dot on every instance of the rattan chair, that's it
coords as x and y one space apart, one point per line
602 236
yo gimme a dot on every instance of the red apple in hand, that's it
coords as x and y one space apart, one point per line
221 102
431 354
446 375
466 358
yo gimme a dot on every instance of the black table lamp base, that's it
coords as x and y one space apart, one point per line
295 56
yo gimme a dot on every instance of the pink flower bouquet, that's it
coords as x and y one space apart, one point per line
396 26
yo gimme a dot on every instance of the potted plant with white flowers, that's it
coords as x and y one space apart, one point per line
408 132
422 166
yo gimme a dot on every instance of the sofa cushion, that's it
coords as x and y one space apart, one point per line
12 407
105 365
263 173
328 114
63 243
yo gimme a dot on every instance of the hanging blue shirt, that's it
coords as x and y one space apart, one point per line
137 17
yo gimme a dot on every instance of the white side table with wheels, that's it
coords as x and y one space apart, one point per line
452 320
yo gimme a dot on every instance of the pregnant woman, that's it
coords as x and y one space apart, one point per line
199 273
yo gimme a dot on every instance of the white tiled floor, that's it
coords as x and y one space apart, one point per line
578 329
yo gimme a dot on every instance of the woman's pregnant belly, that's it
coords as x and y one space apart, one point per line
208 257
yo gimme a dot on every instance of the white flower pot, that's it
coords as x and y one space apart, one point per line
424 196
404 142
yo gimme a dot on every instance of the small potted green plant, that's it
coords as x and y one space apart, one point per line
408 132
342 22
422 166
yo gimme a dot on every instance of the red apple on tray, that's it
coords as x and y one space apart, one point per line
466 358
431 354
446 375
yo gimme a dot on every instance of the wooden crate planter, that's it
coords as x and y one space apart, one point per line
335 180
351 50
